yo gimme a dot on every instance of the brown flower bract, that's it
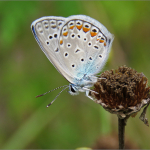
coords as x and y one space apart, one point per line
121 88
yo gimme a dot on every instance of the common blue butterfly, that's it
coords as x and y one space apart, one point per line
78 47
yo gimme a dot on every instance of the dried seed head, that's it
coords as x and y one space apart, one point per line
122 90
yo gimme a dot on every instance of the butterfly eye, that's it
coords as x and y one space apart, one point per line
72 89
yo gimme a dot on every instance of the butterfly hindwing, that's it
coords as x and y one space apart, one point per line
84 45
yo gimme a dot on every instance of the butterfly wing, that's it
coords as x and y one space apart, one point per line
78 46
84 46
46 31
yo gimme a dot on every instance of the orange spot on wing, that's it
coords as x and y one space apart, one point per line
86 29
65 33
93 34
61 42
105 44
101 41
98 39
79 26
71 27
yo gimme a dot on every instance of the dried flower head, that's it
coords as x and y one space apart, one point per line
122 91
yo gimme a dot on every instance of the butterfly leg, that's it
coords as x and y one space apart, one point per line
87 94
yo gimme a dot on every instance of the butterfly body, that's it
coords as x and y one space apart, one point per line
77 46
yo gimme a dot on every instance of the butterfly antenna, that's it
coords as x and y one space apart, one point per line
51 90
57 96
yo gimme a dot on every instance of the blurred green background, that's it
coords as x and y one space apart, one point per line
72 121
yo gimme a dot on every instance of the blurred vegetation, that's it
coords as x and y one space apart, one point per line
72 121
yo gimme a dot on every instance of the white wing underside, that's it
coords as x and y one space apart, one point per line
66 48
45 28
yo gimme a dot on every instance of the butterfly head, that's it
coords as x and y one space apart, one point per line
82 84
73 90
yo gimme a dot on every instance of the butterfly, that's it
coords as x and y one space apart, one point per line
78 47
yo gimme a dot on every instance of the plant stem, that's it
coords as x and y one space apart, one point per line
121 131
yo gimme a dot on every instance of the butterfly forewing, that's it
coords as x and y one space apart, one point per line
47 31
